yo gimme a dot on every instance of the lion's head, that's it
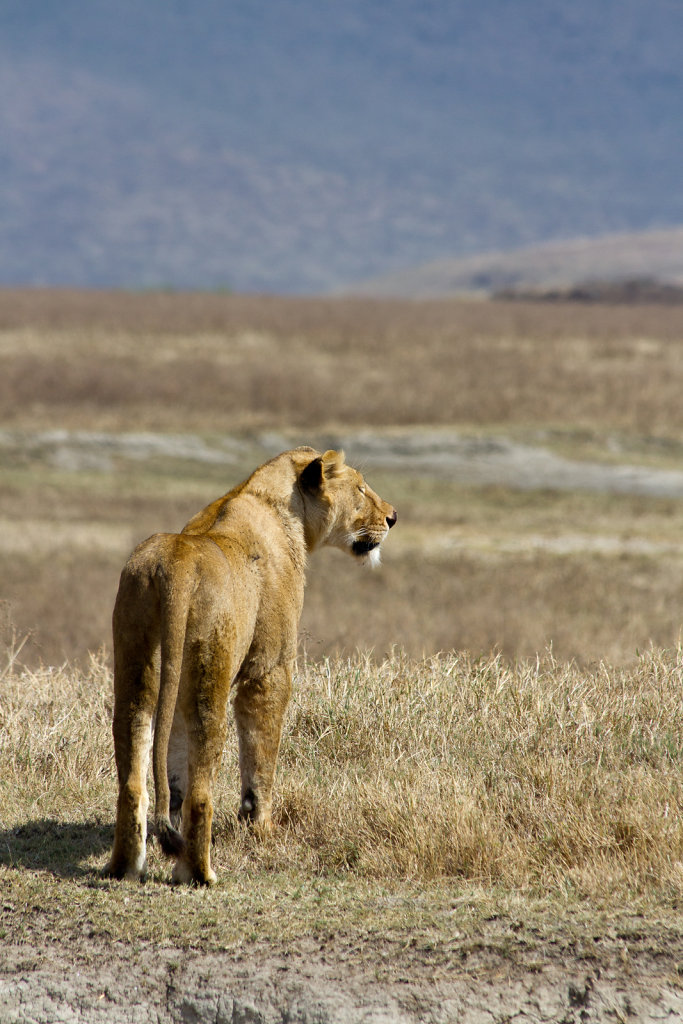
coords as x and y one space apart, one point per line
342 511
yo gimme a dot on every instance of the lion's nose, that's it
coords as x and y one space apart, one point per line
391 519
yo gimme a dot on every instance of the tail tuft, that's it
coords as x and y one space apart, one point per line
170 840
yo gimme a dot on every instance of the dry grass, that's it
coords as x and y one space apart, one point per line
533 776
468 569
231 363
594 382
586 607
412 794
453 775
595 576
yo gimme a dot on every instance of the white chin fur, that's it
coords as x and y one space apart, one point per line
373 558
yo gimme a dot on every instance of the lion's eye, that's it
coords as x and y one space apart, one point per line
361 488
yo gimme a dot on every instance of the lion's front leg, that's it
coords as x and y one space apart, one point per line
259 712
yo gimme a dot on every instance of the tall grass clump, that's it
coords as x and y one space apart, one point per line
55 741
536 776
532 775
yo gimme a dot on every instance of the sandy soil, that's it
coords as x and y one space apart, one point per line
490 982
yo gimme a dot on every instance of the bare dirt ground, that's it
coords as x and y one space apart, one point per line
504 976
442 453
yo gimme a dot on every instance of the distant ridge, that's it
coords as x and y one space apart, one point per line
559 266
298 147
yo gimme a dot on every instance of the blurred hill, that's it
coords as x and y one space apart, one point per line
302 147
645 266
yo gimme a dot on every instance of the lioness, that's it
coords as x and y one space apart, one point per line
217 606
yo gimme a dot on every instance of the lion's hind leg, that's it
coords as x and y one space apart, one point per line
205 715
133 738
136 690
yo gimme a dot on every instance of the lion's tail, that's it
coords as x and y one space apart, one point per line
174 601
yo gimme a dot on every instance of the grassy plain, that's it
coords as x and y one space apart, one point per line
412 796
595 575
213 363
529 773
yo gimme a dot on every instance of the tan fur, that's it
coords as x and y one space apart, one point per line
215 607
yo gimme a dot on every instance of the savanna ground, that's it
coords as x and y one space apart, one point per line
480 791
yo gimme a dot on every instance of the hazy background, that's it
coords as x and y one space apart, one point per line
399 149
302 146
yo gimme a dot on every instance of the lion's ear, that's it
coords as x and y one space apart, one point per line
333 463
323 468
